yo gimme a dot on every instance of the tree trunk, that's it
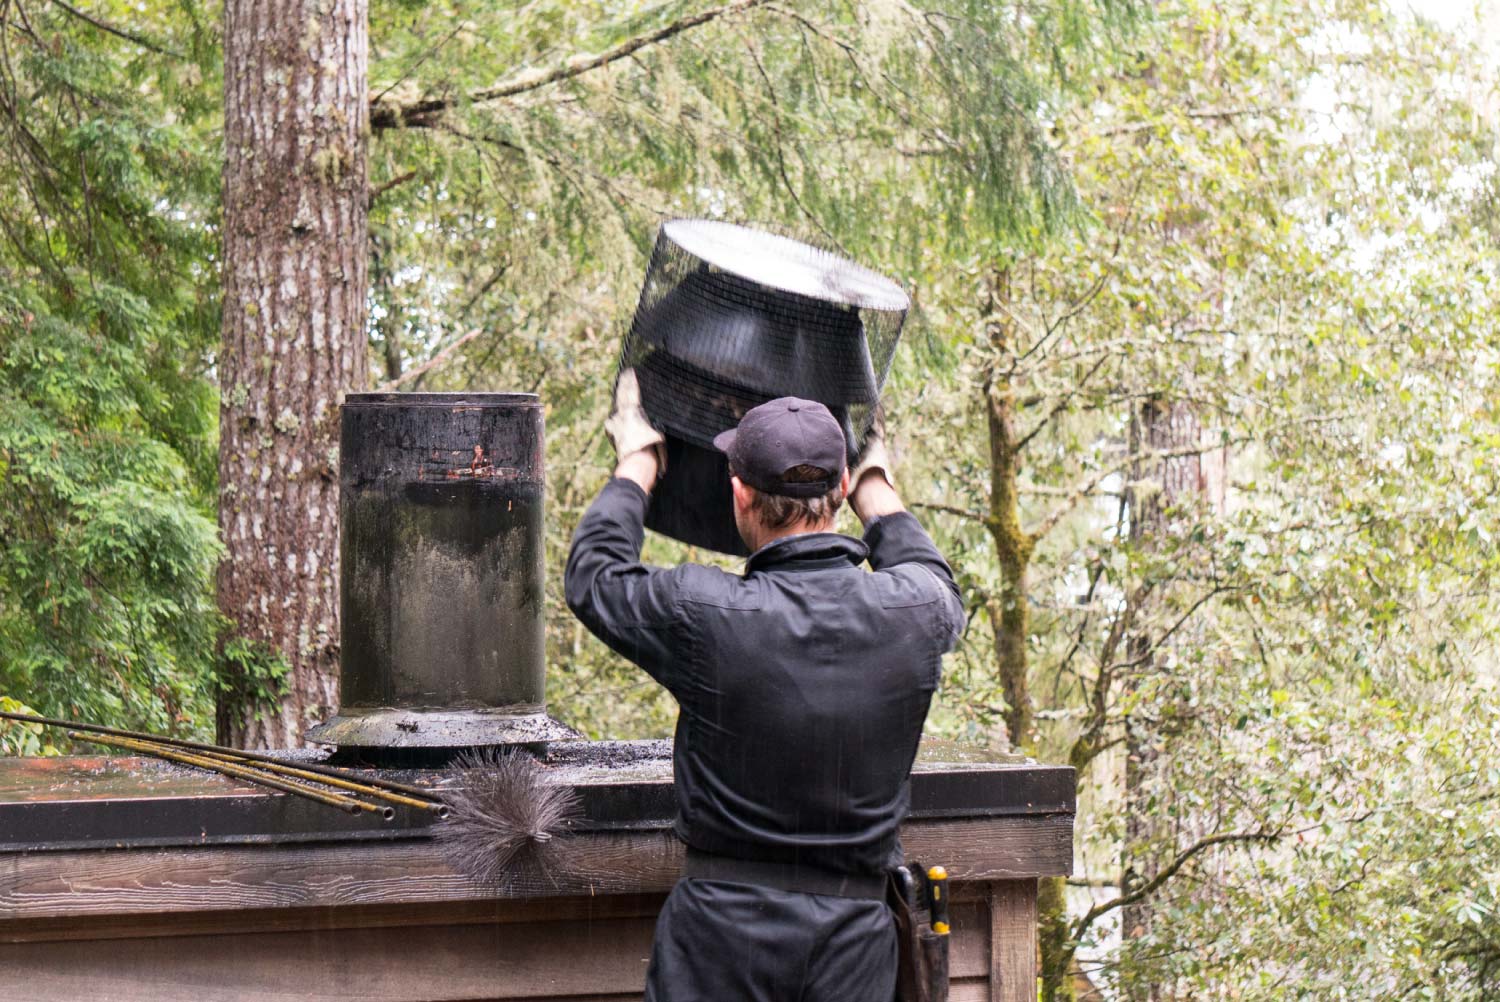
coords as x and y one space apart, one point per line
295 284
1010 616
387 323
1054 941
1159 425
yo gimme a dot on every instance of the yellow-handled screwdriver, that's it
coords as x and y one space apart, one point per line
937 895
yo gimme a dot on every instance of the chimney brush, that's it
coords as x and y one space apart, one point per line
505 813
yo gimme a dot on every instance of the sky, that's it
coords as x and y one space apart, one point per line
1460 14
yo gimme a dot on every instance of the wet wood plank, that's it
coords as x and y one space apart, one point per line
509 961
573 950
133 883
1012 940
969 990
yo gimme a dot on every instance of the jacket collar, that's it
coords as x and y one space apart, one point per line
808 551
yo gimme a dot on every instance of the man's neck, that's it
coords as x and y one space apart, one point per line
768 536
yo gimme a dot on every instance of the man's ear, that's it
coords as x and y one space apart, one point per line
844 482
742 492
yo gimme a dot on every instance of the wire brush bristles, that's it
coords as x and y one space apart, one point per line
504 813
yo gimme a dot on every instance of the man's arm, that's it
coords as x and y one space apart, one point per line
640 468
629 606
894 536
872 496
624 603
898 539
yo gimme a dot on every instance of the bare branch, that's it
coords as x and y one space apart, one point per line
1087 746
394 182
1166 873
1062 404
120 33
1088 487
431 51
1093 882
1096 574
948 509
780 151
1153 646
431 363
1096 287
416 114
1218 114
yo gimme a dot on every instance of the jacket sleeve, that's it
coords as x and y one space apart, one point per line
629 606
898 540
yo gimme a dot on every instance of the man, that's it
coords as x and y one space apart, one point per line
803 684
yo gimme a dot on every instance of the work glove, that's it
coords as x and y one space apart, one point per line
628 427
873 456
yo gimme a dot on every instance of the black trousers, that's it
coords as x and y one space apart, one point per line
724 942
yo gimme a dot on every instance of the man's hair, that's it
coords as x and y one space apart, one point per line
777 511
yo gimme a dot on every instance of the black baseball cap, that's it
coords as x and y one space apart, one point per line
782 434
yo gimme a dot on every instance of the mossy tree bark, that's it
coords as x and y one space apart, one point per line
1008 611
293 341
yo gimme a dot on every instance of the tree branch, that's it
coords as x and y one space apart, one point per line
394 182
431 363
1152 646
417 114
1089 743
1062 404
1096 287
1166 873
1219 114
948 509
786 179
121 33
1088 487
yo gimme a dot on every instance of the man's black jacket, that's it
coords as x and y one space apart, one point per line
803 683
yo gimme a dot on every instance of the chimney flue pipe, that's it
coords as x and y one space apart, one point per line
441 573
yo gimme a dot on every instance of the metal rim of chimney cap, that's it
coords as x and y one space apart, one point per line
786 264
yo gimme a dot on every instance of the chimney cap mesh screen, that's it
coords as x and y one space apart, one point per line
731 317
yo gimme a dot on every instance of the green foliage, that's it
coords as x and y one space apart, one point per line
107 321
250 673
17 738
1290 248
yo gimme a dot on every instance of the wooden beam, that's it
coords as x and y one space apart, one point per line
250 921
564 949
450 963
112 885
1013 956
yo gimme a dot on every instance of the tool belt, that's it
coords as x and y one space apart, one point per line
919 899
798 877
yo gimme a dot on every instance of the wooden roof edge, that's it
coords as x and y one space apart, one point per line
43 893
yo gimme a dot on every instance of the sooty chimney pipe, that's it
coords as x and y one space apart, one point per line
441 573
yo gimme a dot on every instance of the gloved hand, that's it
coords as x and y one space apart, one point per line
628 426
873 457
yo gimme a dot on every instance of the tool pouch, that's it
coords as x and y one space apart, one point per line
922 966
934 966
902 898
